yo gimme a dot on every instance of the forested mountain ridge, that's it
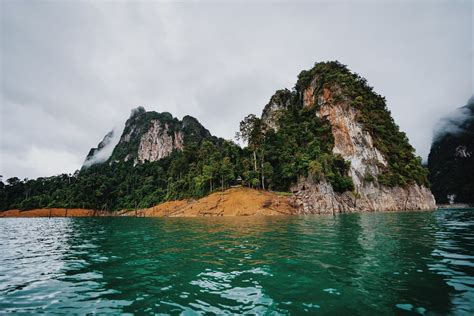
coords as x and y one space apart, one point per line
451 158
150 136
330 140
158 158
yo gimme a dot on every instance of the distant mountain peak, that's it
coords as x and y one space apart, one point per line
151 136
451 158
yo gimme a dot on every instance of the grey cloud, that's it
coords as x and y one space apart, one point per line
105 149
453 122
71 71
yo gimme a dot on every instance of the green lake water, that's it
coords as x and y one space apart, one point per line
349 264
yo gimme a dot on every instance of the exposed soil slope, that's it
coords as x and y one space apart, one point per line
52 212
232 202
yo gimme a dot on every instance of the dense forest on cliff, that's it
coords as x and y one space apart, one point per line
404 166
191 173
301 147
451 158
302 143
275 158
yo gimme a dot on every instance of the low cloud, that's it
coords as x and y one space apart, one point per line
71 70
111 139
453 123
104 149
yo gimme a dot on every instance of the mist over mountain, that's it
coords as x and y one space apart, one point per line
451 159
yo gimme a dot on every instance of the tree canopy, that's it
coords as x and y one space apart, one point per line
275 158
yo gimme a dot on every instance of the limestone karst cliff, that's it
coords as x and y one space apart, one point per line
330 143
385 173
151 136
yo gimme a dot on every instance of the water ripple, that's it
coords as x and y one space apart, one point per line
378 263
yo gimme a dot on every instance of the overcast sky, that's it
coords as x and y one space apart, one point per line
71 71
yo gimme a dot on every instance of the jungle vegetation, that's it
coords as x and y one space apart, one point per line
274 158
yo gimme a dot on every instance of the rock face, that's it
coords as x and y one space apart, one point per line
352 142
356 145
151 136
451 158
320 198
159 142
280 100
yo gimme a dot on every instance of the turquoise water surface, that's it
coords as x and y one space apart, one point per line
369 263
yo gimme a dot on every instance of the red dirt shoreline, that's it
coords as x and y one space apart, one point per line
232 202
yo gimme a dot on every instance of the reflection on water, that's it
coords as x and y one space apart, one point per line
454 254
418 262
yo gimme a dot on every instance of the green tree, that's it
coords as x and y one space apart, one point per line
226 171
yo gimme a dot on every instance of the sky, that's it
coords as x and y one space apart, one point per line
71 71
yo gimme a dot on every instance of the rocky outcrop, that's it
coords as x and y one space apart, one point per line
352 141
279 101
159 142
150 136
356 146
320 198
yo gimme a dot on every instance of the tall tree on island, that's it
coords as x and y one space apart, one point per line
252 132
